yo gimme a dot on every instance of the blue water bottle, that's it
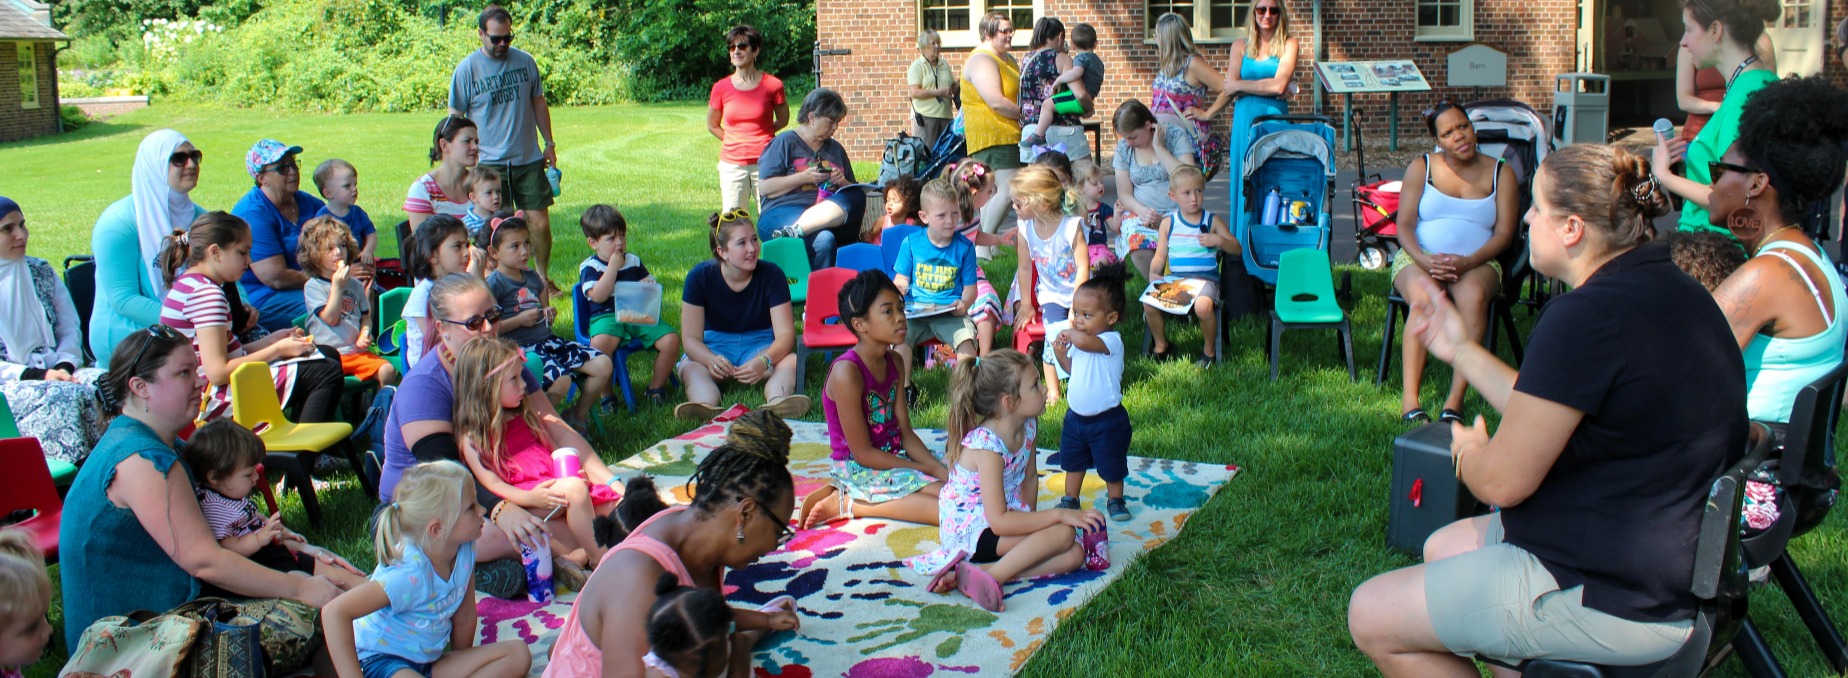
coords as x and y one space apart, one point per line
1273 207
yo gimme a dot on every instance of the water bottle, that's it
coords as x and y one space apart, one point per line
538 565
1273 207
553 176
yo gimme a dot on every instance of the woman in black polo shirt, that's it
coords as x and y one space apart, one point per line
1630 402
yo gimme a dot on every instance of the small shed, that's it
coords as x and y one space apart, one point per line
28 70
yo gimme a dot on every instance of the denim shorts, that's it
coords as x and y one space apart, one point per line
386 666
739 347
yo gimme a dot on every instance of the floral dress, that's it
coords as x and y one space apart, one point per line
873 486
987 304
1171 94
959 506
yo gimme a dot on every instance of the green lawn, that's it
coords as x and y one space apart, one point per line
1258 584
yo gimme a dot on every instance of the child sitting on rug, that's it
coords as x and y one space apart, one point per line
506 446
339 311
684 626
881 467
901 206
25 596
224 457
1096 432
977 181
526 318
991 531
1188 245
421 597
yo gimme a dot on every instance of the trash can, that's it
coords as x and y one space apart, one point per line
1581 108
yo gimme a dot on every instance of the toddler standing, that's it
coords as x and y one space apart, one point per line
1096 433
608 234
339 311
25 598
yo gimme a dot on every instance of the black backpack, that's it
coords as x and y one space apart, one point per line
904 155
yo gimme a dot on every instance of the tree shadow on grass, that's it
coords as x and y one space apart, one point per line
94 130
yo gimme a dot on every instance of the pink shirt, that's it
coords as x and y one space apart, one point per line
747 118
576 655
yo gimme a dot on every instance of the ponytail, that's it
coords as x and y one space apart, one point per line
184 249
976 388
429 492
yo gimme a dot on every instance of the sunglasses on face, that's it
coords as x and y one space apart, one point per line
284 167
739 46
500 39
180 158
1716 168
1265 10
480 323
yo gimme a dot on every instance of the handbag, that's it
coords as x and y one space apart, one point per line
139 644
1209 148
230 647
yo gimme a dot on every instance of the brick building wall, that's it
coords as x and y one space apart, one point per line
1836 70
1537 34
23 123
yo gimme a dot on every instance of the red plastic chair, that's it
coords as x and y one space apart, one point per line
821 320
25 483
1026 334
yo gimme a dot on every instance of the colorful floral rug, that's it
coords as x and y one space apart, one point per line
864 613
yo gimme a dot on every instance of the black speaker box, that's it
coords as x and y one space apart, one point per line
1426 494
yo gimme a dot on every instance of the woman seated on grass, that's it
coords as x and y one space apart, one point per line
41 347
750 336
1607 447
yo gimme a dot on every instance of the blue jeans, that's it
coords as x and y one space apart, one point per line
822 243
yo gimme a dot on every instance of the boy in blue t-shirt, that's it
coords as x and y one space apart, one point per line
936 273
608 234
338 182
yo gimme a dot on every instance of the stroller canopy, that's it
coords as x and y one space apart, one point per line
1289 143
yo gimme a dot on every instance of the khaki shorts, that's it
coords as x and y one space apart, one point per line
1498 601
952 330
737 186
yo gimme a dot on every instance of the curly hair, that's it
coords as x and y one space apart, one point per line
1705 255
753 463
1109 280
319 236
1788 129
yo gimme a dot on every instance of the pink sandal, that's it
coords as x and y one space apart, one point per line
978 585
936 578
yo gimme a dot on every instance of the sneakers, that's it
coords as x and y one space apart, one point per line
504 579
790 231
1031 140
1117 508
657 396
1069 503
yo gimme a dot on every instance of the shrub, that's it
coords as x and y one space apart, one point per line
675 50
71 118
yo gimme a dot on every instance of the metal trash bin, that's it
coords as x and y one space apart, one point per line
1581 108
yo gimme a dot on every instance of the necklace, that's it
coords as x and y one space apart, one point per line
1769 236
1741 69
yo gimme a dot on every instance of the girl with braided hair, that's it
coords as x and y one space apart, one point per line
743 496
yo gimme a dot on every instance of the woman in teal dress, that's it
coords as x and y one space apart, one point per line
1262 81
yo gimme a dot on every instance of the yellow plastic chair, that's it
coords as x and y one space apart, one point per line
292 447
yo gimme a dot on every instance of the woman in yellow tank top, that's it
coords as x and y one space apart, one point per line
991 114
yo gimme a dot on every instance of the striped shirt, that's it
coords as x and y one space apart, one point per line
194 302
427 197
1185 253
228 517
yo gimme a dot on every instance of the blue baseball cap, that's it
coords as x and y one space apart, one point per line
267 152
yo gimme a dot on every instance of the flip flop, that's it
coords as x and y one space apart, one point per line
815 498
948 567
978 585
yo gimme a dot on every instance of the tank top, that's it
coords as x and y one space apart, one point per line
575 656
1449 225
1054 262
982 126
1709 85
876 403
1171 94
1776 368
1186 256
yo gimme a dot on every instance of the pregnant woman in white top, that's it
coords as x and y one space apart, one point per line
1452 226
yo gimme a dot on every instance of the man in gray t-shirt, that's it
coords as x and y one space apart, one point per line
499 88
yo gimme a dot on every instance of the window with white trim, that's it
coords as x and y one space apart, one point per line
28 76
1445 20
1211 20
955 21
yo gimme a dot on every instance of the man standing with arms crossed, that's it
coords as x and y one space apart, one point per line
499 89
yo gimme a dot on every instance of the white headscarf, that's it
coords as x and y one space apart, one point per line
158 208
25 330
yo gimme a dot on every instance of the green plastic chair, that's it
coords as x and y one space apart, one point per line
1306 300
390 309
791 255
358 391
62 472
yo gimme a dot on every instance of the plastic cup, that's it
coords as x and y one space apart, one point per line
538 565
565 460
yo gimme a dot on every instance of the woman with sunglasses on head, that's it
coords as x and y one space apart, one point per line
420 429
742 498
276 209
1261 77
1720 34
127 239
1785 303
455 146
745 110
749 335
132 511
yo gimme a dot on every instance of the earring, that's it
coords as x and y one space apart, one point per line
740 535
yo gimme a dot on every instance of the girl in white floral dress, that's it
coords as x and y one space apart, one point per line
990 532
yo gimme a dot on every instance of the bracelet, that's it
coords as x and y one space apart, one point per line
767 364
494 515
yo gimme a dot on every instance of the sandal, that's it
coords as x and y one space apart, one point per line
789 406
978 585
695 411
1450 416
1416 416
657 396
814 499
937 577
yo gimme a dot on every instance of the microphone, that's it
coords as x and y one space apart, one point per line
1664 129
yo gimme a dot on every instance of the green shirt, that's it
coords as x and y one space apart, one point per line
924 76
1719 134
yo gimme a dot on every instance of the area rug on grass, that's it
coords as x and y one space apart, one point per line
864 613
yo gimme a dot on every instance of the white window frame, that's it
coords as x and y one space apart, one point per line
1465 32
1023 35
1203 32
27 61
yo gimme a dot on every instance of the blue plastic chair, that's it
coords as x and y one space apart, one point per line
892 241
580 323
859 256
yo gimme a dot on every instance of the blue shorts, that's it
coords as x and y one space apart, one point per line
739 347
386 666
1099 441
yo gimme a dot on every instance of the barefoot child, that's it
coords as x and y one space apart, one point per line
977 181
25 596
1188 245
526 318
438 248
991 531
224 457
1096 432
608 234
938 270
339 312
881 467
421 597
1054 254
338 182
505 445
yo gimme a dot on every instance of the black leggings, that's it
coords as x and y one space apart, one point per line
319 384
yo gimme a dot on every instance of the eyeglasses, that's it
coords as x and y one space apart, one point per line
478 323
738 46
1266 10
783 533
734 215
180 158
284 167
153 332
500 39
1715 168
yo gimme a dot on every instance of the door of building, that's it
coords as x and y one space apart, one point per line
1799 35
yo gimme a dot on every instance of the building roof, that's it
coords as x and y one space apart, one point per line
20 20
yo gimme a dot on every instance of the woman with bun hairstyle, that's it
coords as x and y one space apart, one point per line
742 498
750 337
1630 403
1790 155
1719 34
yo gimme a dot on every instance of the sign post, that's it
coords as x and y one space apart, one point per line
1350 77
1477 65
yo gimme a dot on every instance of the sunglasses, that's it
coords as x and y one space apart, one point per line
1716 168
734 215
284 167
500 39
180 158
478 323
153 332
1266 10
738 46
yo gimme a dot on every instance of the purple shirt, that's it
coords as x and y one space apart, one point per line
426 394
875 404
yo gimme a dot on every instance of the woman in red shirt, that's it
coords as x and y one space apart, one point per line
746 109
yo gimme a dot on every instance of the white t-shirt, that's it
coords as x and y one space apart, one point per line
1097 378
416 308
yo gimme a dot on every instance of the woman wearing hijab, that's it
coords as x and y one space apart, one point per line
129 283
41 348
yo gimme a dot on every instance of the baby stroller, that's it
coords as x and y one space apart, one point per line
1291 159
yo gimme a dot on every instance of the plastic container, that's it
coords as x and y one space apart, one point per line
1273 207
565 460
538 565
1096 549
554 177
637 303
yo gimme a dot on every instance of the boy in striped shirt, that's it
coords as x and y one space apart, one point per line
1188 245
